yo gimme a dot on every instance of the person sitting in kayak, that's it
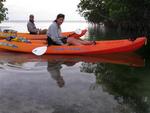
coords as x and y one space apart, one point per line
54 36
32 28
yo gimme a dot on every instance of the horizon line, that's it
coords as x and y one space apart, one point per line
44 20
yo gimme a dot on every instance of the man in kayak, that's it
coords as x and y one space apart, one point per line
32 28
54 36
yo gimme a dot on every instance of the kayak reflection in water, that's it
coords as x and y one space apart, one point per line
54 69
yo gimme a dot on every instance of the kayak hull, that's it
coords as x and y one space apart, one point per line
101 47
41 37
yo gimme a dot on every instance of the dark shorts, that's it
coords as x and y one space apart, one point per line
51 42
33 33
64 40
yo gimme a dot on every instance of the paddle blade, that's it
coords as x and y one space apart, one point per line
39 50
78 31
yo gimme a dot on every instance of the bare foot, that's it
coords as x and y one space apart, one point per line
94 42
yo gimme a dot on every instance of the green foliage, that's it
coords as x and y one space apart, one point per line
93 10
116 11
3 11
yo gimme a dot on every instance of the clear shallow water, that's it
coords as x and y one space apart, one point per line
116 83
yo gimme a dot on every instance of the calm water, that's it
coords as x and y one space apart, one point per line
116 83
22 26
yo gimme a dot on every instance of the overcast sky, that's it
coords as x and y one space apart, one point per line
42 9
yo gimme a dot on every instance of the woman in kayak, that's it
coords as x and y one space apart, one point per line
54 36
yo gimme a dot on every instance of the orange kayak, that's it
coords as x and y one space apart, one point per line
101 47
41 37
130 59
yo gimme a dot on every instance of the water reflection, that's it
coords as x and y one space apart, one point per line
128 85
32 62
116 83
53 63
54 68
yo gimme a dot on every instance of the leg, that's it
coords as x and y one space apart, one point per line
75 41
44 31
86 42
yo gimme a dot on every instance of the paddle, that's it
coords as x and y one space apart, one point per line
41 50
77 31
